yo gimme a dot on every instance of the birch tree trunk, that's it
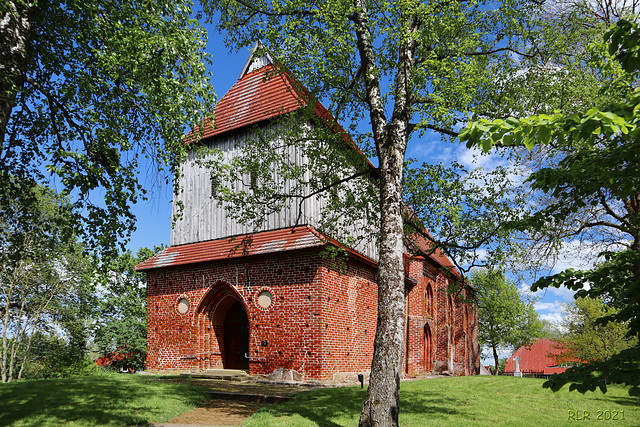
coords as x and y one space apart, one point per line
15 30
382 404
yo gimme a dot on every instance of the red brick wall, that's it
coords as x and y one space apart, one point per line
451 325
321 322
349 307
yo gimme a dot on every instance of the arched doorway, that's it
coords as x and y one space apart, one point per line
236 337
223 329
428 349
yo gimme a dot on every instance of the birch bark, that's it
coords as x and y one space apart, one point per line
15 29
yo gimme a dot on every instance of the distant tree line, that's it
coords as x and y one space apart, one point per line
61 308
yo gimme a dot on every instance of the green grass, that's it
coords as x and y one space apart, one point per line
121 400
459 401
102 400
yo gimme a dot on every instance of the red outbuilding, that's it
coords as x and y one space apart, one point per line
537 360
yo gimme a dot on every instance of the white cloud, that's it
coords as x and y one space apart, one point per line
553 317
565 294
475 157
580 255
525 291
547 306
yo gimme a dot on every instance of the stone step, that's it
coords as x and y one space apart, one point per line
221 374
248 397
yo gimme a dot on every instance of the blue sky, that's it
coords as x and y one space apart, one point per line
153 216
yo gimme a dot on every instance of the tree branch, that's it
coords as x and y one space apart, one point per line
271 13
321 190
441 130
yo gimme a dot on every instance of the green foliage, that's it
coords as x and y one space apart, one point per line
551 329
587 339
103 84
456 56
54 357
502 365
504 319
460 207
409 67
121 318
43 275
599 175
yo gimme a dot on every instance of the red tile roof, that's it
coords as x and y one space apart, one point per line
234 247
286 239
259 95
438 256
263 94
537 358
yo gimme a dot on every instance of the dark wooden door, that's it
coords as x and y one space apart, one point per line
428 356
236 338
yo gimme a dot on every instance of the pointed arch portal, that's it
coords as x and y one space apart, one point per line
224 315
428 349
236 337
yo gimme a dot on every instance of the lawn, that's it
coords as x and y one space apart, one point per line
102 400
461 401
122 400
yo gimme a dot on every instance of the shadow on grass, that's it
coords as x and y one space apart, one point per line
624 401
325 407
97 400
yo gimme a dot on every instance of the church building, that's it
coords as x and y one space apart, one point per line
227 296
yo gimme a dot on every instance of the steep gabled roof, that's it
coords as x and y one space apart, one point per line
259 95
265 91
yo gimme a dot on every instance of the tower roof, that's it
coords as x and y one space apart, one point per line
263 91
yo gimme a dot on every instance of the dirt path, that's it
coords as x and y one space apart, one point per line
219 412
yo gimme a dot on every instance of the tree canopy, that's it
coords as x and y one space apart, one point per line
40 270
598 174
505 320
587 339
121 312
405 68
88 89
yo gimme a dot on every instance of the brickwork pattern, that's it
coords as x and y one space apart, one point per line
320 323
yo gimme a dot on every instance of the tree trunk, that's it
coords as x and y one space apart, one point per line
15 30
496 361
381 407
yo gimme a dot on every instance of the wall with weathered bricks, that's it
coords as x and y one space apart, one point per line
320 324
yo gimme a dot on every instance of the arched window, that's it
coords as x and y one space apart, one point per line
428 301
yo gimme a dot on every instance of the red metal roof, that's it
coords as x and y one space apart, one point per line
537 358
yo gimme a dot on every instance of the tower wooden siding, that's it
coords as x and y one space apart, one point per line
204 218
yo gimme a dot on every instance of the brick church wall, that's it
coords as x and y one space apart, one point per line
321 322
349 302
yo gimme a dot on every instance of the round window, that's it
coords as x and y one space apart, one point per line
264 299
183 305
